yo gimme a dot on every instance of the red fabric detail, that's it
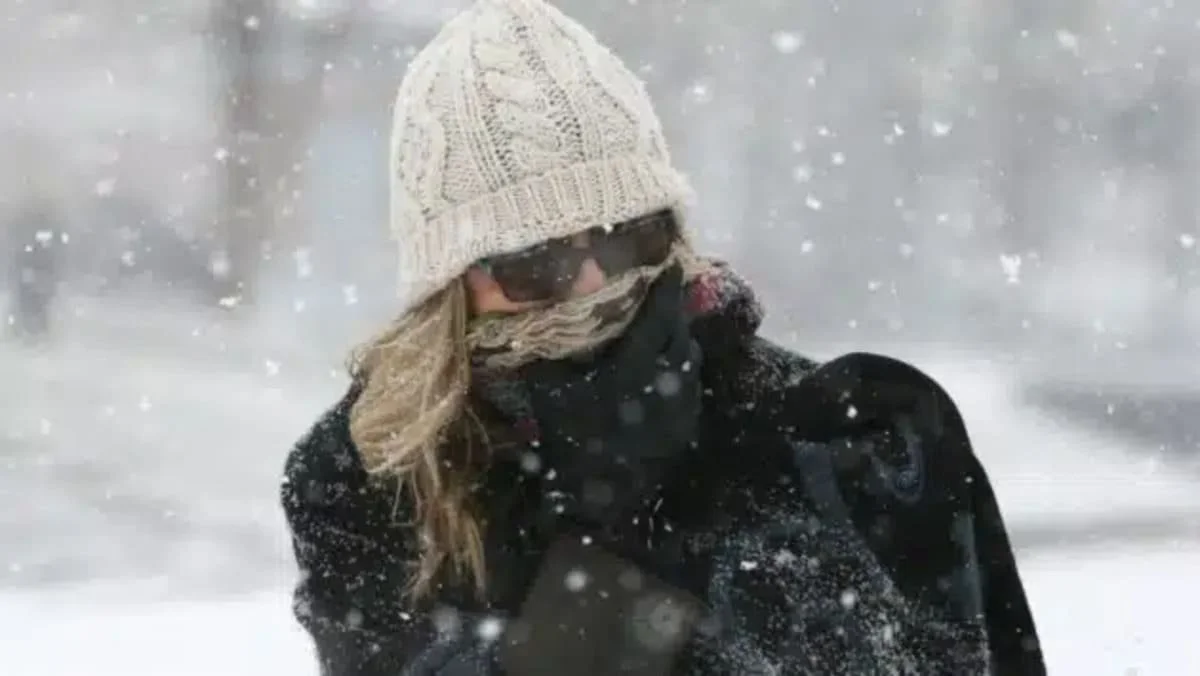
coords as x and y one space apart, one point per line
702 296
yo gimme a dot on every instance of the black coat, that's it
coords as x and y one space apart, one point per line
818 542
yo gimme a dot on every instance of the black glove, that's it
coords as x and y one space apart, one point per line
611 425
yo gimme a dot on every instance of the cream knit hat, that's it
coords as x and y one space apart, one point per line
514 126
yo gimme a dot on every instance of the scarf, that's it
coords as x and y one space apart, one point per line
714 294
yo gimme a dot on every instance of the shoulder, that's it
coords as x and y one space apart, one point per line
855 397
890 426
867 368
772 364
323 469
764 368
777 378
876 389
854 389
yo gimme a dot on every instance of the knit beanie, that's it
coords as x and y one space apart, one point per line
512 127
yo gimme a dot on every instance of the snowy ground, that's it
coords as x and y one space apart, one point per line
1120 611
139 533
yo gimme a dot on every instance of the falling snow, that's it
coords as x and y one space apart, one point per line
1010 203
787 42
1011 265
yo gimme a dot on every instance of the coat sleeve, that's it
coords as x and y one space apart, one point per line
350 597
936 522
950 551
1012 635
919 495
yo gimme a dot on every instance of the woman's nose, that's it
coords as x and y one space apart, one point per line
590 280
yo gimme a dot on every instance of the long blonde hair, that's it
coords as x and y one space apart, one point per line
415 379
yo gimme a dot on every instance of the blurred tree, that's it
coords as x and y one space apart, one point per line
33 234
36 232
1158 132
268 116
239 29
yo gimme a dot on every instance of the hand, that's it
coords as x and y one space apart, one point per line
611 425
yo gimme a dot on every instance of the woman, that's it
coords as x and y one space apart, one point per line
571 452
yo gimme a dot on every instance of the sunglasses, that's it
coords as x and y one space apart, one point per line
547 271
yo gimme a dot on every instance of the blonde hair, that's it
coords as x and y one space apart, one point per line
415 379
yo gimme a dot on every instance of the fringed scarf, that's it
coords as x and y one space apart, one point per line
576 327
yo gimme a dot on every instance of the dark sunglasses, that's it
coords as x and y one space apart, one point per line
547 271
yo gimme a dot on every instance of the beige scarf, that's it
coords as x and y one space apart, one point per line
574 326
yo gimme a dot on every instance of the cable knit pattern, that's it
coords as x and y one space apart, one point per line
514 126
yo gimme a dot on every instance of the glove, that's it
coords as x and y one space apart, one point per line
611 425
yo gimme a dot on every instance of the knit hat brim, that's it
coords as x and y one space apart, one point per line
601 192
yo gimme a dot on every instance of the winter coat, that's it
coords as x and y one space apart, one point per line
814 542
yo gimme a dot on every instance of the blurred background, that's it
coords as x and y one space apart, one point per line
193 208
